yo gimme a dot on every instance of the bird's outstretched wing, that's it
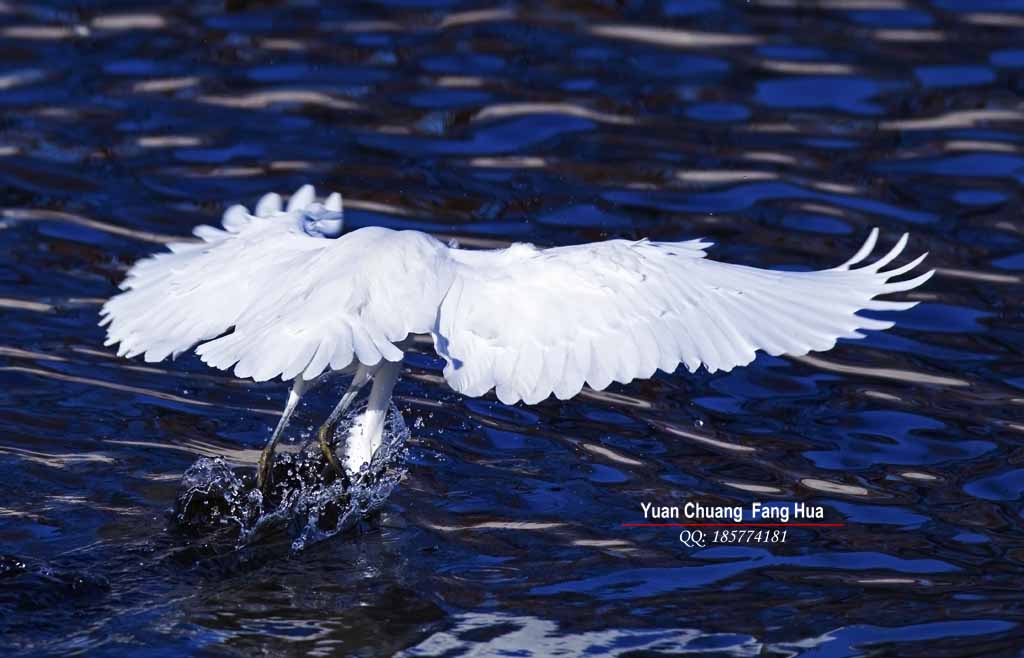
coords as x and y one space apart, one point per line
271 297
530 322
291 302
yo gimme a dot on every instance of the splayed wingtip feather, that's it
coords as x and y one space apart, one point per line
862 253
302 197
269 204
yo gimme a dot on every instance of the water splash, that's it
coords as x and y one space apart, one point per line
307 501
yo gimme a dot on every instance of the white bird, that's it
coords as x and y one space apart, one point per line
284 292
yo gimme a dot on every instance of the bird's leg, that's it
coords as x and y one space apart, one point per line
267 456
359 380
367 435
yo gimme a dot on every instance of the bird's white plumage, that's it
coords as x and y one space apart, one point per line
531 322
527 322
295 304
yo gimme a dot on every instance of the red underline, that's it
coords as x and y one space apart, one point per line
734 525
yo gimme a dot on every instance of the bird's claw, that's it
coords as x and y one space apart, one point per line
264 473
328 451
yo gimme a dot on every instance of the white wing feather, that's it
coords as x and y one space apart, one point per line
530 322
271 300
294 303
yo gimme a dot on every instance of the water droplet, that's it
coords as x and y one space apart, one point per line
305 501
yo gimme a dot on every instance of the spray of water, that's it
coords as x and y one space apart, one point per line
307 501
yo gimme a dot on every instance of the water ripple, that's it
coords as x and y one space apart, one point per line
780 133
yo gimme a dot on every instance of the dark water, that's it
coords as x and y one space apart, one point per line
783 130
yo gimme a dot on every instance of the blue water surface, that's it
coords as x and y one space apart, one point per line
781 133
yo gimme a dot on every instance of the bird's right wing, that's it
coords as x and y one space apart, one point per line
530 322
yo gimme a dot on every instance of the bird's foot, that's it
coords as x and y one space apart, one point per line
352 465
327 448
264 471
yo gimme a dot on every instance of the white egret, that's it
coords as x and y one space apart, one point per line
283 291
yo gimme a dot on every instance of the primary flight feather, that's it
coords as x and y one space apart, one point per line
283 291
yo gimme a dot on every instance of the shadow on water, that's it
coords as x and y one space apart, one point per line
782 131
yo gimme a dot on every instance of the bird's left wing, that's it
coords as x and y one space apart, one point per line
198 290
272 298
529 322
